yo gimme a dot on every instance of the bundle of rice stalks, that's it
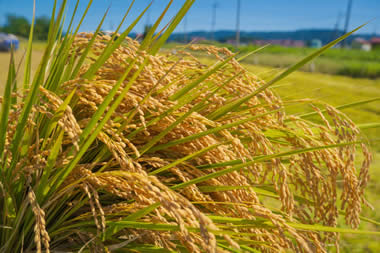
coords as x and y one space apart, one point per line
129 150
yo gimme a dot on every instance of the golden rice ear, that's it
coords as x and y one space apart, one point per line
212 165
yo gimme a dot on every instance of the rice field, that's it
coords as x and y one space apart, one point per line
19 55
114 145
339 90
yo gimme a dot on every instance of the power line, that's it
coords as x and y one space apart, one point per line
213 19
374 31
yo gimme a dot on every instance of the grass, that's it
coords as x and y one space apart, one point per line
353 63
113 146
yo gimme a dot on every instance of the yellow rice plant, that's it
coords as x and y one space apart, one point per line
115 148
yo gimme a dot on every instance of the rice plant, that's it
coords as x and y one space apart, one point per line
114 146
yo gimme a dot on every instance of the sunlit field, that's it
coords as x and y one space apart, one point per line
19 55
333 89
336 61
340 90
113 142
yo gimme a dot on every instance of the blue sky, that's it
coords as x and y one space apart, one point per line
256 15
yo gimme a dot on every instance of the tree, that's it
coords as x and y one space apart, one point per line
17 25
42 28
20 26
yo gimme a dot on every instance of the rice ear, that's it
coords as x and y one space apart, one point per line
234 152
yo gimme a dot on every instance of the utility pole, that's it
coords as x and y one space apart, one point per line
238 24
213 20
185 29
374 31
148 18
348 17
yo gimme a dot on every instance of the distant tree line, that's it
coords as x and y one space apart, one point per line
20 26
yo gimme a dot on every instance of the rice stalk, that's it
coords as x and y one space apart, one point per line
133 149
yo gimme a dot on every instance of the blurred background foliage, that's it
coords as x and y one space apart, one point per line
20 26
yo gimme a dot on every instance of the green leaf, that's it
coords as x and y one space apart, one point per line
207 132
148 38
73 16
146 97
113 229
212 188
169 227
42 189
112 46
235 104
258 221
341 107
66 215
144 225
192 85
178 121
256 160
143 248
331 229
249 249
219 165
341 212
239 222
168 112
37 81
228 248
368 126
28 60
83 16
252 52
6 105
58 114
176 20
85 143
88 47
189 157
